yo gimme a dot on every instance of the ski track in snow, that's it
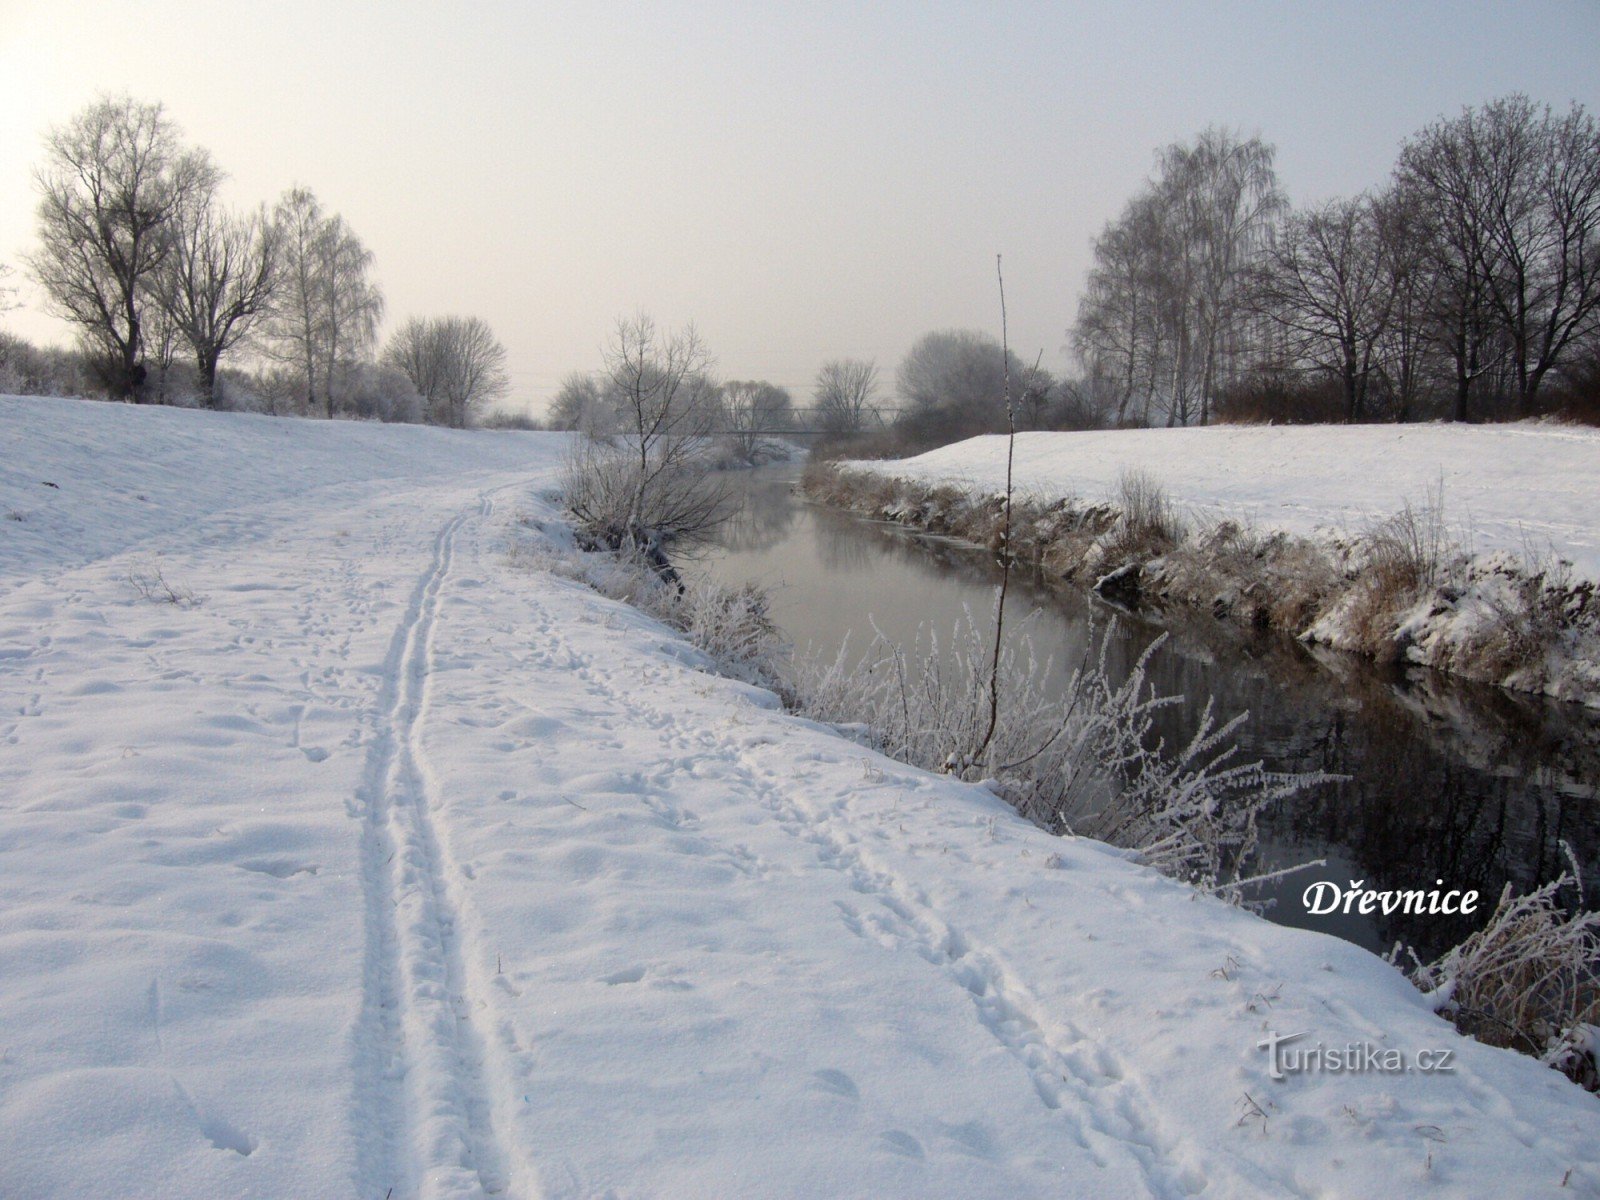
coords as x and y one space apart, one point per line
424 1061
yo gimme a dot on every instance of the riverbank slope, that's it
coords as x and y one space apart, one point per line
346 850
1472 549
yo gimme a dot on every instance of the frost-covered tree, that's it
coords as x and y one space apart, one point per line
581 404
646 485
115 182
456 364
1165 316
954 384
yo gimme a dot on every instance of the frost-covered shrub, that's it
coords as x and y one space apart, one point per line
730 625
374 392
623 497
1530 979
1079 759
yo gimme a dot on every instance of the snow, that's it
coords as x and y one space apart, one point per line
1528 487
391 862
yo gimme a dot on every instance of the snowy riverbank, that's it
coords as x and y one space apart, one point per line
371 858
1472 549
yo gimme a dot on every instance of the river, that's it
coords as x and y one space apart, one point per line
1446 780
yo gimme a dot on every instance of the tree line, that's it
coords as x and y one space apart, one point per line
1466 287
165 284
743 413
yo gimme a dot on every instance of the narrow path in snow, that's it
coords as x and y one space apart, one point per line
423 1064
1080 1080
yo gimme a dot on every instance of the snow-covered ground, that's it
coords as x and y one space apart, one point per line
1520 488
380 864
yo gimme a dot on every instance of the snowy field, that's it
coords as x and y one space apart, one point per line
1522 488
343 854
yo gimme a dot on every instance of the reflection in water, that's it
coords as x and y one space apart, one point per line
1447 780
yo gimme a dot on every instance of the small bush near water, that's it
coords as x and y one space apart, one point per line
1529 979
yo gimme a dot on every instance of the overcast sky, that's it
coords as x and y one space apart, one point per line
803 182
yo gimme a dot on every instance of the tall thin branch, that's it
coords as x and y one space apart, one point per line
1005 527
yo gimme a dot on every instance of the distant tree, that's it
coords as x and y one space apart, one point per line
582 405
29 370
8 293
843 395
326 313
751 408
1327 281
217 282
456 364
953 382
477 367
380 392
415 350
1512 193
115 180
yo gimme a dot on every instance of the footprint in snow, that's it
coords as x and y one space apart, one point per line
898 1141
836 1082
626 975
280 868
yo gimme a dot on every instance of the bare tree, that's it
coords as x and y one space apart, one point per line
1229 199
115 179
1511 197
750 409
350 304
646 486
456 364
476 371
1328 284
1515 193
414 350
327 309
581 404
294 330
844 393
1119 332
217 282
1166 311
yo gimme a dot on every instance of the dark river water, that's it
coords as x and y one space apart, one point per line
1447 781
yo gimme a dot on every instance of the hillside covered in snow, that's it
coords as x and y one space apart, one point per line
1515 488
346 852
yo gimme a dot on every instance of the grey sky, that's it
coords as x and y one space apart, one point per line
803 181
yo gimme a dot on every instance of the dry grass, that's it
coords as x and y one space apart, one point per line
1530 980
152 584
